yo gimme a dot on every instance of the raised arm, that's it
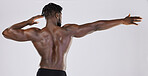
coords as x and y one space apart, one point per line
15 32
84 29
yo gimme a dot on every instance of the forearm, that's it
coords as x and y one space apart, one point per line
19 25
30 21
13 30
106 24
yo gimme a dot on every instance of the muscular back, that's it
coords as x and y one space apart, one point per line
52 47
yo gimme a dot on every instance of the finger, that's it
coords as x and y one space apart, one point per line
35 22
129 15
134 23
136 17
37 17
30 24
137 20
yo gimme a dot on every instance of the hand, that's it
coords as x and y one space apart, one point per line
131 20
31 21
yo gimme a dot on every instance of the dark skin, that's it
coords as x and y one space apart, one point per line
52 42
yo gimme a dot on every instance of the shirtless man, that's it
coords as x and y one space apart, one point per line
52 41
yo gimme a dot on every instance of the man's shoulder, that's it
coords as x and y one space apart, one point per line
33 28
69 26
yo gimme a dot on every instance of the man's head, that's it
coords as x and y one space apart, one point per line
52 10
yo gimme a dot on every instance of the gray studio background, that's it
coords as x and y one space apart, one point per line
119 51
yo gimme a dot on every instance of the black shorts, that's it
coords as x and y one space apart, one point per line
50 72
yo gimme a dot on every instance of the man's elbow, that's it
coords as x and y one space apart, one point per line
99 28
5 33
100 25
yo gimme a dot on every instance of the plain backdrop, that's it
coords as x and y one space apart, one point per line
118 51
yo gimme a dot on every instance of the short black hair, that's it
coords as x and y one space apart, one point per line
51 9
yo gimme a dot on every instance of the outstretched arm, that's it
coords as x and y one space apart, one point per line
15 32
84 29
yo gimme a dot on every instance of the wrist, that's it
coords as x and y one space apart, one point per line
122 21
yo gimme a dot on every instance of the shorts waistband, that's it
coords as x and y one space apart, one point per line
51 69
